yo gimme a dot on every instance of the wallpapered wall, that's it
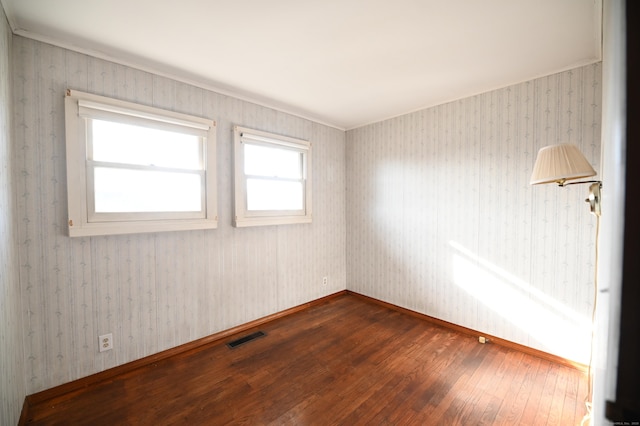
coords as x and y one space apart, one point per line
12 383
153 291
441 218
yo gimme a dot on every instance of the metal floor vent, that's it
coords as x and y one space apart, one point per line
245 339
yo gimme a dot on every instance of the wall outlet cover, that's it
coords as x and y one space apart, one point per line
106 342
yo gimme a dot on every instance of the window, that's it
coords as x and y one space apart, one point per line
132 168
272 179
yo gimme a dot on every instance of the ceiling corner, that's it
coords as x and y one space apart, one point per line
7 6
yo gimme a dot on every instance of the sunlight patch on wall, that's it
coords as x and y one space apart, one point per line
560 329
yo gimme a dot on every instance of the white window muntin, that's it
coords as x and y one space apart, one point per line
243 215
80 109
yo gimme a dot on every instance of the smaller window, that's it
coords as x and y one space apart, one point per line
272 179
132 168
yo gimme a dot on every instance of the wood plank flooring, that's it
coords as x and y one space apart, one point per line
348 362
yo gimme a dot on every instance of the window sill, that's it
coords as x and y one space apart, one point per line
106 228
266 221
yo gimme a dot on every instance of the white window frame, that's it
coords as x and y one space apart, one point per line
243 217
83 221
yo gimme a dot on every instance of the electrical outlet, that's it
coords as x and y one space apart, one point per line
106 342
325 281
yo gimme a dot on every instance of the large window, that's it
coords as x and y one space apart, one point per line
132 168
272 179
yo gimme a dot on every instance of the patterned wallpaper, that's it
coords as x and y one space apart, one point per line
153 291
12 387
441 218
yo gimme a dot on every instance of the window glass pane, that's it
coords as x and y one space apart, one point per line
265 194
274 162
125 143
122 191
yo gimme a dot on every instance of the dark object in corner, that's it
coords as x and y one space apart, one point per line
626 406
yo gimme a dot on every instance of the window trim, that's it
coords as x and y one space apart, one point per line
79 107
243 217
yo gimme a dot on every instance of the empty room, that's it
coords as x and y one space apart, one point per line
309 213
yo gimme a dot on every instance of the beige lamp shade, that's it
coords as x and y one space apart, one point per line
559 163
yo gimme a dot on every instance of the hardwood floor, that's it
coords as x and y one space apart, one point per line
347 361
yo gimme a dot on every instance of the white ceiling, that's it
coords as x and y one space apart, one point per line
345 63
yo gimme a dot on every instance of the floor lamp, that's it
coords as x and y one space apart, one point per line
560 164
